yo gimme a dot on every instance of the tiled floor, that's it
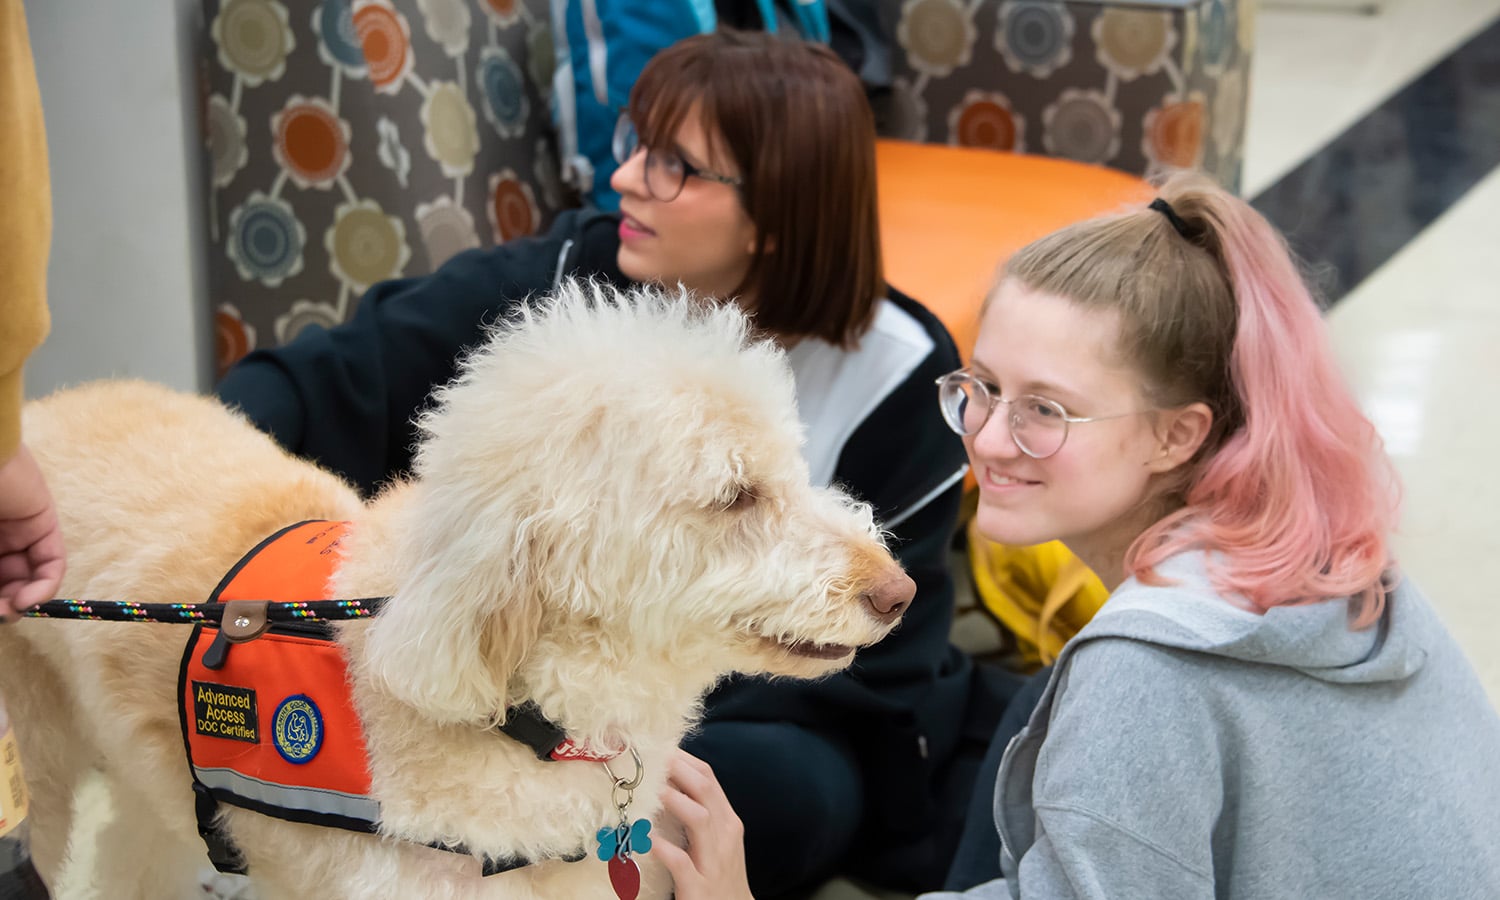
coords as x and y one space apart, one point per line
1316 72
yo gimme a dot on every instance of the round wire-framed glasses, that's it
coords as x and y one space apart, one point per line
1038 426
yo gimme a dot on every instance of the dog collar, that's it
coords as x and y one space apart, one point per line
529 725
618 845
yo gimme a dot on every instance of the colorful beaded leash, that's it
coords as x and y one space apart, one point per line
617 845
126 611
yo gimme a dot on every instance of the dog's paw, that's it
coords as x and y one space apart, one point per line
218 886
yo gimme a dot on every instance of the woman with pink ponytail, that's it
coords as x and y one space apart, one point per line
1265 707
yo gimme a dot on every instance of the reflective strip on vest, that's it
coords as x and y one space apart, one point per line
306 799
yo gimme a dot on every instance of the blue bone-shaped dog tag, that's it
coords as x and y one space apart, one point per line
625 840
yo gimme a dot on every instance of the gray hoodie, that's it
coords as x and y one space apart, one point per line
1186 747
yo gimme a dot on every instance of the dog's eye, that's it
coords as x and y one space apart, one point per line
743 498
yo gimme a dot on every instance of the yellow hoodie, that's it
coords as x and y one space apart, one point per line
25 218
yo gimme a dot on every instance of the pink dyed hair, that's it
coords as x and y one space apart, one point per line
1292 486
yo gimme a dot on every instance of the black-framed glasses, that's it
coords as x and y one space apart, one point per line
666 170
1038 426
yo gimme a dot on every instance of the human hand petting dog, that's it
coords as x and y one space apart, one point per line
708 862
31 546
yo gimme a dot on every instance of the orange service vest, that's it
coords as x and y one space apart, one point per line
270 724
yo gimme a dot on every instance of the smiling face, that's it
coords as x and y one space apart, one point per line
702 238
1092 491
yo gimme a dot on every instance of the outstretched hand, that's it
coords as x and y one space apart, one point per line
709 863
31 546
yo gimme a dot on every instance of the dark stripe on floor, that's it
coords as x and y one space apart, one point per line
1353 204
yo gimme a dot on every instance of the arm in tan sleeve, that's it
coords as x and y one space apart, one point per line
25 218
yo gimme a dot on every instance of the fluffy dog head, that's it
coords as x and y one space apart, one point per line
613 488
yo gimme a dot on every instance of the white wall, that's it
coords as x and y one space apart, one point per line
126 282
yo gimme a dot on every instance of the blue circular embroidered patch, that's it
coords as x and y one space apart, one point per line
298 731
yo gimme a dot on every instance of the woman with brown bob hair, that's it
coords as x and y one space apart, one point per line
792 122
748 175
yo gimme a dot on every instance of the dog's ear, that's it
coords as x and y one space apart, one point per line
466 611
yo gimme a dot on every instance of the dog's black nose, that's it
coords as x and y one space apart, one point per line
890 598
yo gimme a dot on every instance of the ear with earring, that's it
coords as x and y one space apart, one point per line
1161 452
1186 431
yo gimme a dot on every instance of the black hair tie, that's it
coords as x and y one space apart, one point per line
1166 209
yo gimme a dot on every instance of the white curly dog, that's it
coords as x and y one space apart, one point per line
610 511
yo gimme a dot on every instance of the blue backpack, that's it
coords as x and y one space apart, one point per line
601 47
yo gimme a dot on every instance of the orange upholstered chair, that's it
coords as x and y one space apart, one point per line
950 215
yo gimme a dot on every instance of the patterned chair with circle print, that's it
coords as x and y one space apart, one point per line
352 141
1138 86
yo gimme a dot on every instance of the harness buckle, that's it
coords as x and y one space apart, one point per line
244 620
221 852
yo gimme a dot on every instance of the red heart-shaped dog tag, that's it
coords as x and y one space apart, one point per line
624 877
